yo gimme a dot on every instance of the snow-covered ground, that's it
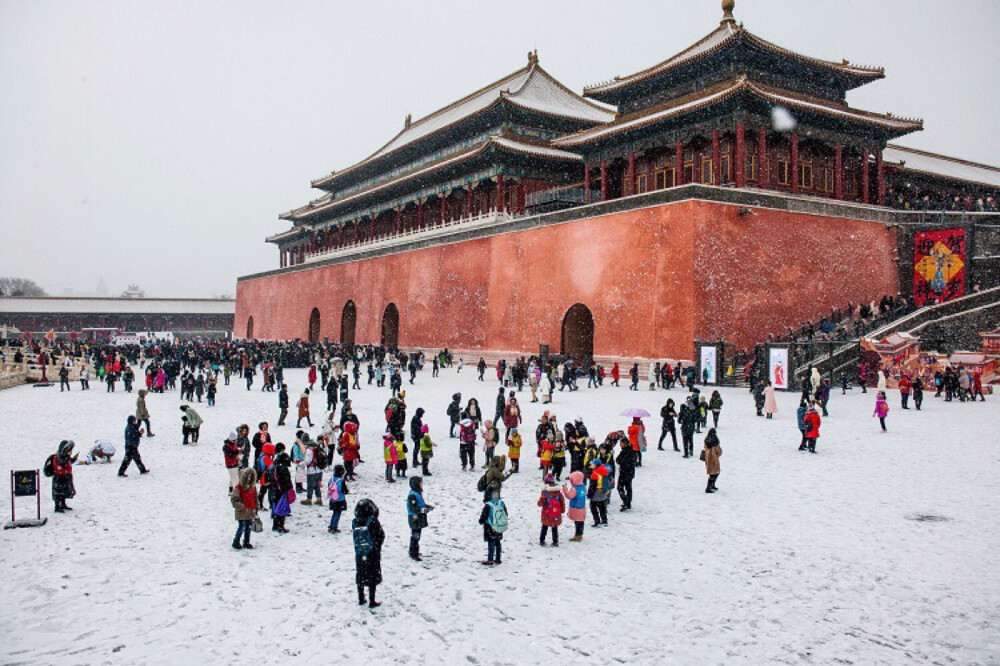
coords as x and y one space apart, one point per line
798 559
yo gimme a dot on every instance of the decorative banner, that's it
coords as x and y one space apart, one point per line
778 370
708 366
938 265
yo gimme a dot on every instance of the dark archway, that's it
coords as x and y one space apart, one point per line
250 328
578 333
390 326
348 323
314 326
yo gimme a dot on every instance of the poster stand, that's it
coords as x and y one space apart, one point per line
24 483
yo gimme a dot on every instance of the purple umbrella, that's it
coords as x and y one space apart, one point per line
636 413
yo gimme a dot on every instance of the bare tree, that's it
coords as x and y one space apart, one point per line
11 286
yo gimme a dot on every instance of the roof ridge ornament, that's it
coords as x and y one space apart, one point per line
407 121
533 58
727 11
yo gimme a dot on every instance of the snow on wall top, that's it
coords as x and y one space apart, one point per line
81 305
940 165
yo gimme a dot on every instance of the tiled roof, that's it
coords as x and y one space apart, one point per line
724 91
531 88
503 143
727 34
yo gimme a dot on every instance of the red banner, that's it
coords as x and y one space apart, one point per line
938 265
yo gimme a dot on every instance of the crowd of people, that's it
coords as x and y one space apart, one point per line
912 199
578 472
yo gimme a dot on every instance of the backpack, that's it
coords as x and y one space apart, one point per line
388 414
49 468
553 508
333 490
363 542
319 457
481 486
498 517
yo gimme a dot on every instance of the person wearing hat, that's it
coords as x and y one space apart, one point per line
553 507
368 539
416 514
132 435
62 475
426 446
231 458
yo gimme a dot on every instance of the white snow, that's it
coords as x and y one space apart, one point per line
798 559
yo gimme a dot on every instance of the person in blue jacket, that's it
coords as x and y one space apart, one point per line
416 514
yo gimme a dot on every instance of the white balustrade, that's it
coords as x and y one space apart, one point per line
437 230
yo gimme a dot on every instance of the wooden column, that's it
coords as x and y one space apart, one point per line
716 159
444 210
865 195
281 258
794 163
739 172
879 179
357 223
520 198
586 183
371 228
399 220
679 160
604 180
501 199
631 174
468 201
762 170
420 214
838 171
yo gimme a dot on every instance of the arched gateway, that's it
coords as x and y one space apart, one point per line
348 322
578 333
314 325
390 326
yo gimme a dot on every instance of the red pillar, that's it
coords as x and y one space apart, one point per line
838 171
281 258
420 214
399 221
762 170
679 159
444 210
468 201
604 180
879 178
865 196
501 199
794 165
741 156
716 159
520 198
357 223
631 173
586 183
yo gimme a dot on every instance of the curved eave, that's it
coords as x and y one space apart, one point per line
608 91
495 143
894 126
510 97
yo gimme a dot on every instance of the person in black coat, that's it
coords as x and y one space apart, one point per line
626 472
416 424
687 419
454 413
668 413
281 484
501 407
368 566
283 404
132 435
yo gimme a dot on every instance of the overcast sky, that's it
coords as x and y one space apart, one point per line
157 142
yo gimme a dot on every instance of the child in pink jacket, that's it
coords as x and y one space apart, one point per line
576 492
881 408
391 456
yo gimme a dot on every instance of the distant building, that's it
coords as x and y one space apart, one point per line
133 291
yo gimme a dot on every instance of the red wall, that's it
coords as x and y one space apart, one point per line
655 279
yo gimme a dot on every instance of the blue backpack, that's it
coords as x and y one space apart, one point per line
498 516
363 541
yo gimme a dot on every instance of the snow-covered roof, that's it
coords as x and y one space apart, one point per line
967 358
84 305
728 33
912 159
503 143
722 92
531 88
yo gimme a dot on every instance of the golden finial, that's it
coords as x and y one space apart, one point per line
727 10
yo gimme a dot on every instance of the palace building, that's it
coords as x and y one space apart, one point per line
727 192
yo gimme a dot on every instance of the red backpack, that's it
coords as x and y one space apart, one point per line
553 509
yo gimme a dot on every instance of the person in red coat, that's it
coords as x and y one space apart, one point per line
616 374
811 422
312 375
511 416
62 475
904 390
349 448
